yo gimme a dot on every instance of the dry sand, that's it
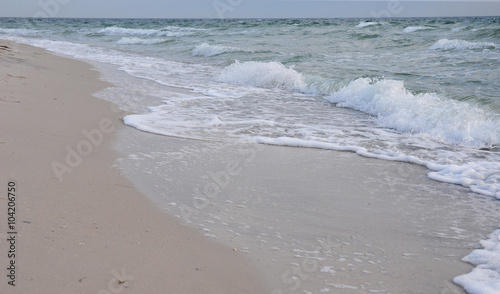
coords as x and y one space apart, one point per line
92 232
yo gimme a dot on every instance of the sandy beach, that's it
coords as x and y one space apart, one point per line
104 208
81 226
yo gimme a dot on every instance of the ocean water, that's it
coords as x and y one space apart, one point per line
423 91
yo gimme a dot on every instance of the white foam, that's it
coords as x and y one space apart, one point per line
127 31
140 41
185 29
21 32
327 269
176 34
264 75
480 177
395 107
208 50
366 24
164 120
485 277
445 44
415 29
168 32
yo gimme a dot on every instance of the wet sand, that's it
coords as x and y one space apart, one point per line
316 220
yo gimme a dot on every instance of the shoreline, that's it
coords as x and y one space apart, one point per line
82 226
352 213
316 219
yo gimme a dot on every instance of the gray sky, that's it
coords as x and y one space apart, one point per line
245 8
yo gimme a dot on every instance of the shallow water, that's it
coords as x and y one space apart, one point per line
316 219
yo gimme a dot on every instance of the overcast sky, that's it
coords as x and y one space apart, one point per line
245 8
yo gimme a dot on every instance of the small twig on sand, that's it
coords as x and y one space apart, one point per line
124 186
10 101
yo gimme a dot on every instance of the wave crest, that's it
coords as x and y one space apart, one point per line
208 50
415 29
445 44
139 41
446 120
21 32
168 32
264 75
366 24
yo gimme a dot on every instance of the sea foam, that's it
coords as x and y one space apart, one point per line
445 44
264 75
208 50
140 41
366 24
168 32
415 29
21 32
446 120
127 31
485 277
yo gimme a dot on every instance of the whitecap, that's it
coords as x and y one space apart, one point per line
415 29
145 32
445 44
140 41
445 120
19 32
366 24
127 31
208 50
264 75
